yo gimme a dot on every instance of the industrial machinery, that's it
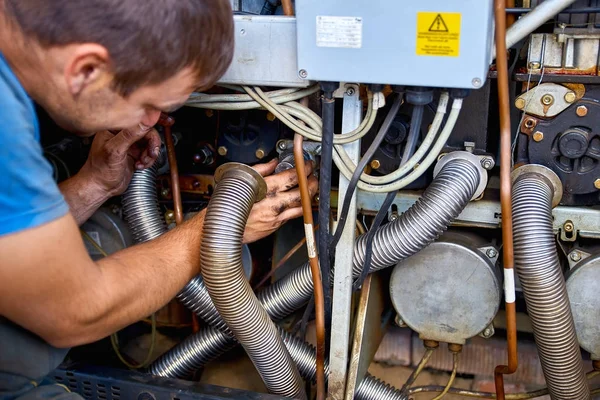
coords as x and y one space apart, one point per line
455 141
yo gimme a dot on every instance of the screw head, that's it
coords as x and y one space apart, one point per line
270 117
375 164
581 111
491 253
597 183
535 65
165 193
547 99
222 150
488 332
260 153
170 215
575 256
282 145
520 103
568 226
570 97
476 82
303 74
350 91
487 163
538 136
317 198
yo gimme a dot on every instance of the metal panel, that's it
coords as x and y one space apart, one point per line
265 52
382 45
342 281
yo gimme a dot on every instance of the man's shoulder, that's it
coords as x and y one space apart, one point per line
17 113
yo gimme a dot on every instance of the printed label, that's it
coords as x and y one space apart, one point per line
438 34
310 241
509 285
345 32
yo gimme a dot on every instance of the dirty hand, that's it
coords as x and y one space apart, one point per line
114 157
282 202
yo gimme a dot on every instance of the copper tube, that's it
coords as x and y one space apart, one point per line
288 8
166 122
510 18
505 193
314 264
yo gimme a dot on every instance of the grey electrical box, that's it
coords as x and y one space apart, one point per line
438 43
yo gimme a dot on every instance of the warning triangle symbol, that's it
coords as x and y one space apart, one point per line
438 25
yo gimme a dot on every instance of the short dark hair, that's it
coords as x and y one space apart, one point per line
148 40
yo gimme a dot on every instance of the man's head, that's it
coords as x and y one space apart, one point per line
109 64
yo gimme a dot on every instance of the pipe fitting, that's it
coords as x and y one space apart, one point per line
238 188
535 190
471 158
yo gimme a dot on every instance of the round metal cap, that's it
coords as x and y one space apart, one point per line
547 173
472 158
245 171
583 288
448 292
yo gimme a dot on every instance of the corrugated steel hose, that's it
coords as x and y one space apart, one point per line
456 183
238 188
535 190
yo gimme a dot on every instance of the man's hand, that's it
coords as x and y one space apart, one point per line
113 157
281 204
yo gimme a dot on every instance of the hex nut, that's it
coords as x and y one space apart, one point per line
575 256
570 97
581 111
222 150
260 154
520 103
568 226
375 164
538 136
597 183
491 253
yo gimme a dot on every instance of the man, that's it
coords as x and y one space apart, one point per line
97 65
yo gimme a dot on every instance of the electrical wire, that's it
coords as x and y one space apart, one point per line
366 158
114 340
417 371
452 377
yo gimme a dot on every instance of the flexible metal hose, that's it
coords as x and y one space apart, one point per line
238 188
140 206
543 283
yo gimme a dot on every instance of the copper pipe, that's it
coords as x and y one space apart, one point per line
505 198
166 122
510 18
288 8
314 263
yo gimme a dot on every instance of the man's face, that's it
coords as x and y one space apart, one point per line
84 101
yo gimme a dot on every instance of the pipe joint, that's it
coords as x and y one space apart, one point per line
545 174
244 173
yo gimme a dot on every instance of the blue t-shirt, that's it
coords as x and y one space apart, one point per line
29 195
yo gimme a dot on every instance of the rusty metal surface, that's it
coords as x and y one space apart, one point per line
369 330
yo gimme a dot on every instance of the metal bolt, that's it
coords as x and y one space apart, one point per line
476 82
318 149
581 111
547 99
303 74
597 183
164 193
393 216
575 256
209 113
270 116
375 164
570 97
260 153
568 226
399 322
487 163
350 91
170 215
282 145
222 150
491 253
317 198
538 136
196 184
535 65
520 103
488 332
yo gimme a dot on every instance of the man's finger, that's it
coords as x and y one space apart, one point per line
286 180
127 137
267 168
151 150
290 213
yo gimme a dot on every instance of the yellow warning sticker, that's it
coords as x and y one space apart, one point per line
438 34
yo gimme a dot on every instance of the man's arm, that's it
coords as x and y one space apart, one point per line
49 284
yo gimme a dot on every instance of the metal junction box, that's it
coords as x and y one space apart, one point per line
439 43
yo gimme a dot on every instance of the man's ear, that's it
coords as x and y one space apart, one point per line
87 66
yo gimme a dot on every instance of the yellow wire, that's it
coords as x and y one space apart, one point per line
452 377
114 339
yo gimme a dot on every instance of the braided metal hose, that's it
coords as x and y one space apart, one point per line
535 190
140 206
238 188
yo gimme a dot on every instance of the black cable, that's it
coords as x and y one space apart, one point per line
325 174
361 167
269 7
415 131
381 214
